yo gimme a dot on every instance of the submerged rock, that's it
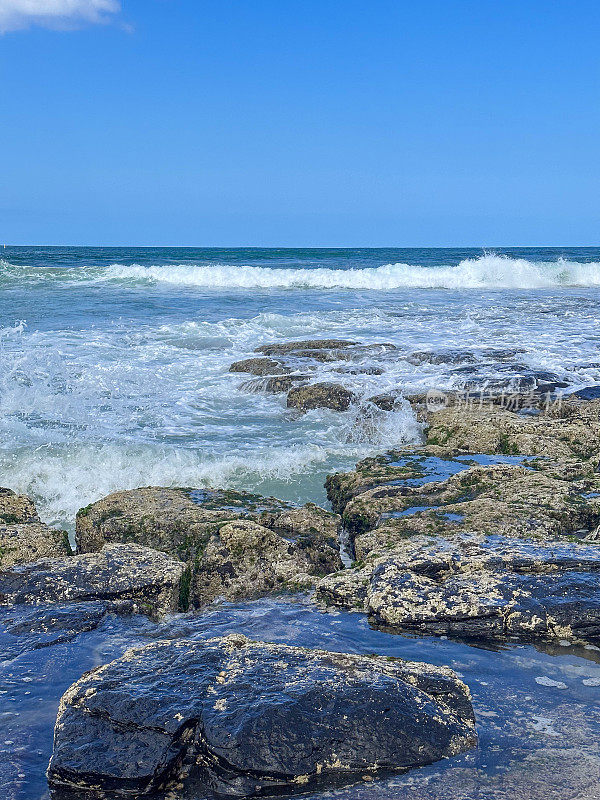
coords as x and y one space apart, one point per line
24 628
236 544
23 537
320 395
283 348
147 578
246 718
259 366
477 586
274 385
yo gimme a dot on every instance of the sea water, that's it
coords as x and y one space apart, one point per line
114 361
114 374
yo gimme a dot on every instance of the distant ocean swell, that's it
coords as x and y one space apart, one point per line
489 271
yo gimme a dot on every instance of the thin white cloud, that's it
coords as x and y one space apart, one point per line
59 14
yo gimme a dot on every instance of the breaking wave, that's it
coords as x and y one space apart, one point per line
488 271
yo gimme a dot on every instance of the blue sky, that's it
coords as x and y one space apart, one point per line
280 122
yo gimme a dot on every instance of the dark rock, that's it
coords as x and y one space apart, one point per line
359 370
24 628
589 393
151 580
275 385
246 719
441 357
282 348
259 366
320 395
391 401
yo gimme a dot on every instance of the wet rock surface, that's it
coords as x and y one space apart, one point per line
259 366
235 544
23 537
245 718
320 395
274 385
26 628
147 578
509 499
493 549
478 587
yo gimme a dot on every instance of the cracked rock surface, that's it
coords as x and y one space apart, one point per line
246 718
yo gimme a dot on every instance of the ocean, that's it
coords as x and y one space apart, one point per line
114 361
114 373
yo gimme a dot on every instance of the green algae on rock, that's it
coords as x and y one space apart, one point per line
23 537
235 544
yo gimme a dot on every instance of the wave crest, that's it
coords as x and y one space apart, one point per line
489 271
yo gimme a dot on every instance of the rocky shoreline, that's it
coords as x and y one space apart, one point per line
488 531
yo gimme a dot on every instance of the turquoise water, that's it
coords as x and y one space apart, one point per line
113 362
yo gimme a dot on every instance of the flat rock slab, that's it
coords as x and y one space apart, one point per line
541 500
247 718
478 586
151 580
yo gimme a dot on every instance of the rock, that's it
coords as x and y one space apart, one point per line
23 537
390 401
275 385
358 370
259 366
225 538
246 560
505 499
176 521
20 543
245 718
16 508
478 586
151 580
283 348
313 530
25 628
374 471
441 357
589 393
560 431
320 395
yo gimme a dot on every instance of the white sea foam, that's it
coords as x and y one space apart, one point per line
489 271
